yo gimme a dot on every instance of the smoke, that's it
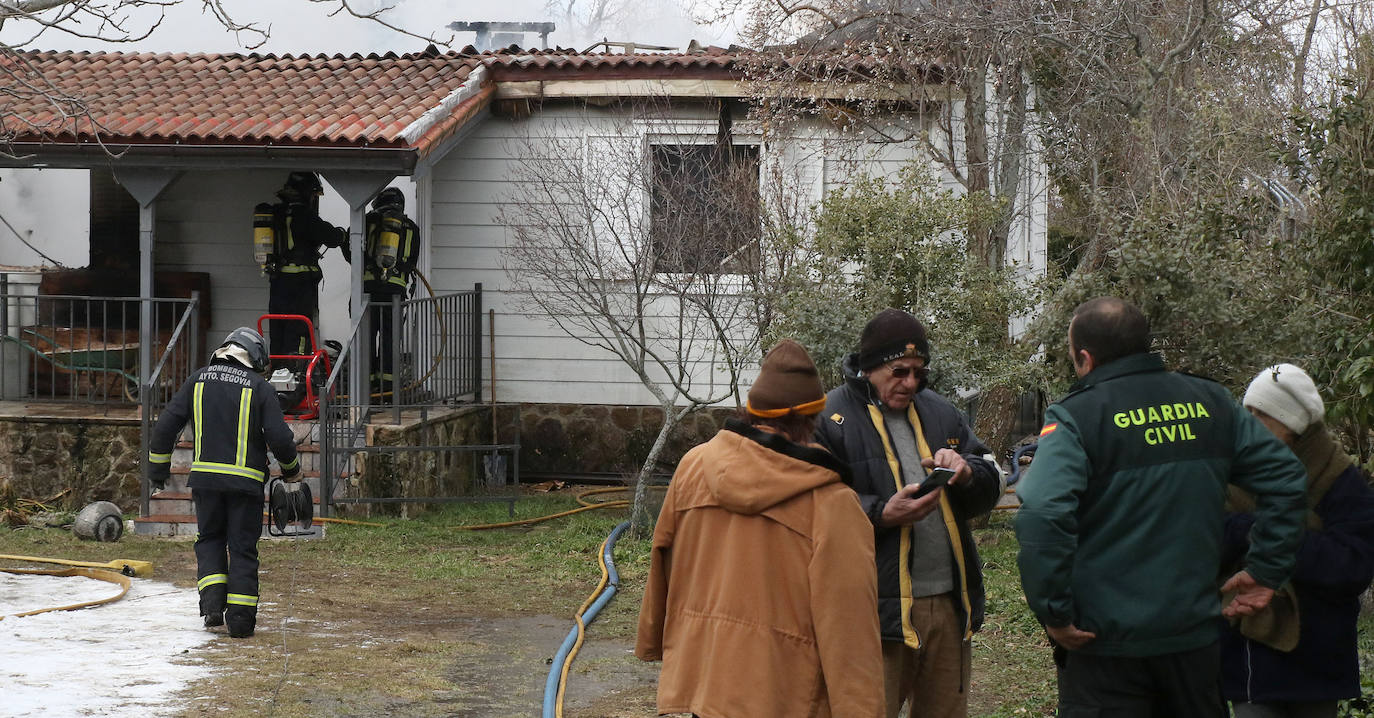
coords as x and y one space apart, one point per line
294 26
44 211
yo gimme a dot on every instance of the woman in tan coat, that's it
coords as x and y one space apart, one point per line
762 593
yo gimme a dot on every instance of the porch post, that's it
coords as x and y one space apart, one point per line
357 189
358 369
145 185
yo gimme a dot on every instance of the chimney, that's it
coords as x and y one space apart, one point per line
495 35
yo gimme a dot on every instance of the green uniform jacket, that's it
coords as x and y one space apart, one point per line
1121 513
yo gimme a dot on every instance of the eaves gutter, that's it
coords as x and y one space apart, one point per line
87 155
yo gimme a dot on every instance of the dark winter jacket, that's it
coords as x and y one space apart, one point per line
1121 514
852 427
1335 565
236 418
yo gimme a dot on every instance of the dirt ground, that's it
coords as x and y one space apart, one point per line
320 651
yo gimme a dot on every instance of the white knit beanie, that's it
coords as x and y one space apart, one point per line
1288 394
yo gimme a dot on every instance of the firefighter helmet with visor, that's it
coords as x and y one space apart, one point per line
390 198
253 347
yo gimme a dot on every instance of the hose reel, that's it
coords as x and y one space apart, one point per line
289 504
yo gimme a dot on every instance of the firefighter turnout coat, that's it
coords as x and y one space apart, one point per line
236 419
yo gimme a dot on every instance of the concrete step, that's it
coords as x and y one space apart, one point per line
184 524
178 501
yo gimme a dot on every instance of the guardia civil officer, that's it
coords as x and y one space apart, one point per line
391 248
1120 523
236 419
293 272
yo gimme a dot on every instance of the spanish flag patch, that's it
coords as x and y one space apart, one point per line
1049 429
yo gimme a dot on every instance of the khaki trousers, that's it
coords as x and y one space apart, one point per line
935 676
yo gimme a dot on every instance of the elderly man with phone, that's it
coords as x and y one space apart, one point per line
920 475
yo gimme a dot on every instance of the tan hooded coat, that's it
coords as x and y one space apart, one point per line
762 592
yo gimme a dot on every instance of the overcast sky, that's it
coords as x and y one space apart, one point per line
300 26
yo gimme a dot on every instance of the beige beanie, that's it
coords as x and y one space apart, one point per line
1288 394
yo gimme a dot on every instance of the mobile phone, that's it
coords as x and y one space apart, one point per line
939 476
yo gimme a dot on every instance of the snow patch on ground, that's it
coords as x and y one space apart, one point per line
122 659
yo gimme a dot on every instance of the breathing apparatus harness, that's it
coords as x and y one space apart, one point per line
388 228
272 242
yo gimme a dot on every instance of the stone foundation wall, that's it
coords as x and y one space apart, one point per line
95 460
98 459
416 474
599 439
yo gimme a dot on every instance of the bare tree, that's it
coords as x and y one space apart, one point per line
651 249
1138 106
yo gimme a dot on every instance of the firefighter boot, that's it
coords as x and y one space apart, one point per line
241 620
212 600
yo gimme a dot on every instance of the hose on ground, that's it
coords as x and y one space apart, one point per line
581 499
126 566
101 574
556 683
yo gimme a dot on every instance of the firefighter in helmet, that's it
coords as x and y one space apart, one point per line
236 420
289 238
391 246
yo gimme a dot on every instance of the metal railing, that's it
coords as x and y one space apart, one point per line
436 351
62 348
169 372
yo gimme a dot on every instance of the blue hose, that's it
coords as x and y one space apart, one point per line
556 670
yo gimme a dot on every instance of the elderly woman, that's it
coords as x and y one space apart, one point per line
762 587
1298 658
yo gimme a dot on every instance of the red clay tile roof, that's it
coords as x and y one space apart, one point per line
351 101
388 101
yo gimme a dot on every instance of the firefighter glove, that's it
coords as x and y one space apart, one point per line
291 475
158 480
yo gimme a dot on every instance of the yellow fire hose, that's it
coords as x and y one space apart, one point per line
581 624
105 573
581 499
128 567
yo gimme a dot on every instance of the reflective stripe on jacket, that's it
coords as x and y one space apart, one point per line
236 418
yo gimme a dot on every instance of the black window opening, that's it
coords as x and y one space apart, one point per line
704 209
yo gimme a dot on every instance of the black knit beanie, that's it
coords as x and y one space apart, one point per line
892 334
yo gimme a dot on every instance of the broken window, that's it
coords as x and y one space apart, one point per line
704 208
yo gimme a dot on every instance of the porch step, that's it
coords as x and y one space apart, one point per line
185 525
171 511
178 501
